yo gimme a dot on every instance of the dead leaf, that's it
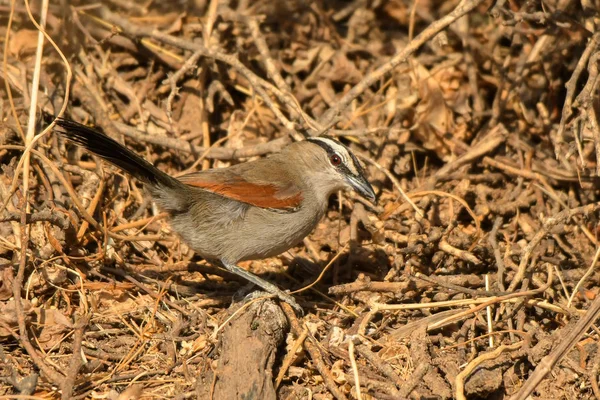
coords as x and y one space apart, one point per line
6 279
326 91
391 104
337 370
398 357
398 10
8 316
343 70
297 372
54 324
131 393
434 118
336 337
23 43
305 59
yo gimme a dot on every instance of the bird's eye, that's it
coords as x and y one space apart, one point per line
335 160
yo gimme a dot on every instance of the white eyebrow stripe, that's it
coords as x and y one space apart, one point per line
341 150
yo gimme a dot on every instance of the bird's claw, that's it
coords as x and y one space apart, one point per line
292 302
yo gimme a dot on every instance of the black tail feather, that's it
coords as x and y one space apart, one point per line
115 153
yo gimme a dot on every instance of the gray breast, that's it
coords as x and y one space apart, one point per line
234 231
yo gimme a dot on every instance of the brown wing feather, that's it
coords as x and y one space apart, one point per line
257 194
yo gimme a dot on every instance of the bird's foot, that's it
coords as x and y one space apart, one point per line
266 286
291 301
281 295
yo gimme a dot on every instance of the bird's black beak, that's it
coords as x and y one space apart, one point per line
362 187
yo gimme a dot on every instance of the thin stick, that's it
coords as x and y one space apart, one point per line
290 357
314 353
35 84
550 272
550 223
395 182
76 361
329 264
354 368
464 7
460 378
571 86
29 146
585 276
565 344
488 310
17 285
5 69
452 196
140 31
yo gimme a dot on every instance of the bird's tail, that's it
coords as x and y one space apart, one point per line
115 153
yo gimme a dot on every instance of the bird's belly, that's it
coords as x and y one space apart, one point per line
265 244
254 234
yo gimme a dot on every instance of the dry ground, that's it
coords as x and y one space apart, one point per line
473 276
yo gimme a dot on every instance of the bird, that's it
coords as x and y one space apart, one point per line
247 211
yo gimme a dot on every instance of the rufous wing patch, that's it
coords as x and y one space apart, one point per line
259 195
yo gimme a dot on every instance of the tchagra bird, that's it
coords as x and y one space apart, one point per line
248 211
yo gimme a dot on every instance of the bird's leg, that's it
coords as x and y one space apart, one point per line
267 286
